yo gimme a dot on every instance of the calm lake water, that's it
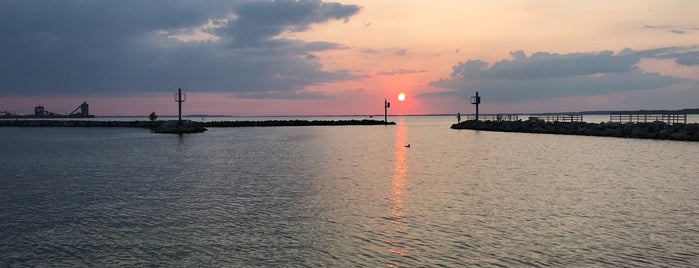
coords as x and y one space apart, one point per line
345 196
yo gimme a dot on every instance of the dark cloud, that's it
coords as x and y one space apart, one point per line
98 47
546 65
258 21
688 56
688 59
547 75
319 46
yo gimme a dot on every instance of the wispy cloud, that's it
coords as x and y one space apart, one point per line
399 51
389 51
399 71
277 94
677 29
370 51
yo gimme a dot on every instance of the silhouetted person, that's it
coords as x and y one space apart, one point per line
458 117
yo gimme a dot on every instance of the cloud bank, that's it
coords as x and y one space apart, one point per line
548 75
115 47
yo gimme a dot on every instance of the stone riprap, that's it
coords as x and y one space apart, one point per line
186 126
655 130
170 126
292 123
75 123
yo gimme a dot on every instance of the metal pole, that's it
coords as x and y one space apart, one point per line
478 101
385 111
179 106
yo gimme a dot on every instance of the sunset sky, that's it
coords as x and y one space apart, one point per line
236 57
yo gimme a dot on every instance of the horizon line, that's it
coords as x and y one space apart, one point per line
692 111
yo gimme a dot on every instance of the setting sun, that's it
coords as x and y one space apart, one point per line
401 96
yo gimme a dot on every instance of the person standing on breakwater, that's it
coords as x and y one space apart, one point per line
458 117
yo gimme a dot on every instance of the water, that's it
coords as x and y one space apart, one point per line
345 196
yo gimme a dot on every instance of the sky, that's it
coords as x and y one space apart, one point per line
345 57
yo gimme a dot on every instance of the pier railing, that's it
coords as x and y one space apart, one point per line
558 117
515 117
649 118
494 117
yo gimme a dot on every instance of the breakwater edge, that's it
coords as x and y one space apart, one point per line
654 130
187 126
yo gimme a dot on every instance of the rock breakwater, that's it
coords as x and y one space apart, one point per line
75 123
655 130
293 123
170 126
186 126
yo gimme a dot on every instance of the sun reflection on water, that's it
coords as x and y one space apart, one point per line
400 169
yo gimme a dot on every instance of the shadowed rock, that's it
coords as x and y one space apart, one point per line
173 127
292 123
186 126
655 130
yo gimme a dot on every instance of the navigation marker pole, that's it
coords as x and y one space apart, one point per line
386 105
476 100
180 98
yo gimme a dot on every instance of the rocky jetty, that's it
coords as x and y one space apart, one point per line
175 127
655 130
74 123
294 123
155 126
186 126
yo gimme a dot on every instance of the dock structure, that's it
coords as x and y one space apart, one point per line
667 118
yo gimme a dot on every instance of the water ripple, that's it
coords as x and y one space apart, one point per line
345 197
